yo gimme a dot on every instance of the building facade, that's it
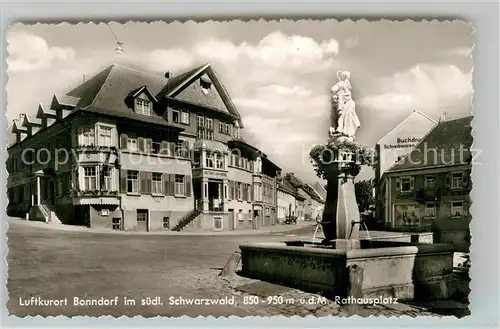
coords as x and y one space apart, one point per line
429 189
287 201
310 204
395 145
133 150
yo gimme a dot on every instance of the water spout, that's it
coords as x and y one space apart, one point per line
362 225
318 225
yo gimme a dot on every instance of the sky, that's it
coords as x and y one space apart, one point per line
278 73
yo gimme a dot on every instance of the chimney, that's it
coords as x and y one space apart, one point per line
21 117
168 75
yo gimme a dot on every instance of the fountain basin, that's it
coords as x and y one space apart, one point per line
403 270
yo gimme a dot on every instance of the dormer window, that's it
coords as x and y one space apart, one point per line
142 106
205 84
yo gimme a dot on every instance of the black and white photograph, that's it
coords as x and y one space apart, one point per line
240 168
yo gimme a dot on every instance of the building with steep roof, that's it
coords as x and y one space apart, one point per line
144 152
313 204
429 188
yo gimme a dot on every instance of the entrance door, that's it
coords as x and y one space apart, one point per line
142 220
50 191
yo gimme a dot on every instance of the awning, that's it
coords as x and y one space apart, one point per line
96 201
211 145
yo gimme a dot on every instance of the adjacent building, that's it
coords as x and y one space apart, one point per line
392 147
312 203
133 150
429 188
290 203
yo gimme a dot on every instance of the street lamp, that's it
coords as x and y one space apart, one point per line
119 45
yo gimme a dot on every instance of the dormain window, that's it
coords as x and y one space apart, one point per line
132 181
179 185
142 106
157 185
105 136
89 178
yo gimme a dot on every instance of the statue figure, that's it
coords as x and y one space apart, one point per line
344 120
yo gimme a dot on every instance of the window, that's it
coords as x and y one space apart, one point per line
185 117
166 223
218 223
88 135
132 144
142 106
176 116
196 159
456 180
210 124
405 184
107 179
240 215
209 160
105 136
221 127
89 179
200 121
60 191
132 181
430 182
157 185
457 209
205 84
430 209
219 161
236 132
240 191
116 223
155 147
180 116
179 185
142 216
226 129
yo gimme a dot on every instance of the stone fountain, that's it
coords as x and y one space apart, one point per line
343 264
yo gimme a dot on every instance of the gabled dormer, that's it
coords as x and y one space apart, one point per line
32 124
63 105
48 117
19 130
142 101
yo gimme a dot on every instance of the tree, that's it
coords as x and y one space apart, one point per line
364 194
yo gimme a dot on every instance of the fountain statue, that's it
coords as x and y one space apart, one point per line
341 214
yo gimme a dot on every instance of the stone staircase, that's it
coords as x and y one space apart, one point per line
45 213
186 220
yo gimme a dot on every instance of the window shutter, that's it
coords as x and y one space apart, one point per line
171 147
447 180
149 144
398 184
164 148
123 179
187 182
412 183
185 150
166 184
142 182
465 178
172 184
141 144
123 141
149 180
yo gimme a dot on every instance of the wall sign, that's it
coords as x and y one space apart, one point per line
403 143
104 212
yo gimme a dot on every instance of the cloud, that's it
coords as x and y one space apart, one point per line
424 87
29 52
458 51
298 91
276 51
351 42
170 59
